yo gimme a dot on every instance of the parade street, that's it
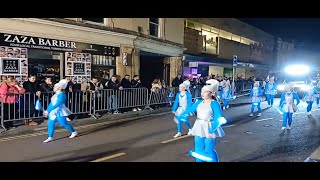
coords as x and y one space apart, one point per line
247 139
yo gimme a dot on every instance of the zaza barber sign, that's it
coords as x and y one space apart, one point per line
36 42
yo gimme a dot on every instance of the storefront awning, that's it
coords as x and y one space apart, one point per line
215 60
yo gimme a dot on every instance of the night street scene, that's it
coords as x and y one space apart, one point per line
160 90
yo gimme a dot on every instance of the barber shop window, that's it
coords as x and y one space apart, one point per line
95 20
154 27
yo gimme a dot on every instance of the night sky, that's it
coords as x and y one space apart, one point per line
304 31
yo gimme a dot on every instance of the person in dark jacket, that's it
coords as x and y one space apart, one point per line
177 81
46 89
136 83
115 86
125 82
32 94
104 81
95 88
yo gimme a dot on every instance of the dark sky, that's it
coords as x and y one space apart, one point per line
304 31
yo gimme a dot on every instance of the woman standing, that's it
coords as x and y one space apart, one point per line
207 126
57 111
309 97
288 106
9 96
226 94
271 91
255 95
182 101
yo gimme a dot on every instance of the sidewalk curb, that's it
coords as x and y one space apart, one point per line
129 116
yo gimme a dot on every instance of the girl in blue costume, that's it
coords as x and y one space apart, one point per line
317 95
226 94
287 105
309 97
182 101
255 95
207 126
57 111
271 91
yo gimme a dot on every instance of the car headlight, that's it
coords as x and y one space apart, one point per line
281 87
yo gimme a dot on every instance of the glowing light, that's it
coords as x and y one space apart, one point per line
297 70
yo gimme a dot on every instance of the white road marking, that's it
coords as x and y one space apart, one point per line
264 119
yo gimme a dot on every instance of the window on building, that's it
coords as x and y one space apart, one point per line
245 41
97 20
225 34
235 38
193 25
209 42
154 26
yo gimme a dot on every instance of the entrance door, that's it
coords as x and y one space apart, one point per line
166 72
151 67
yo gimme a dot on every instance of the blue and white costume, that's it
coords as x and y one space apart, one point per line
287 105
255 95
271 91
181 103
225 94
309 96
58 112
317 95
209 121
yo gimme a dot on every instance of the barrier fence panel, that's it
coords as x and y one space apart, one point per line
161 96
79 102
113 100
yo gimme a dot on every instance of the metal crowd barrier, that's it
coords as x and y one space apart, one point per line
113 100
89 102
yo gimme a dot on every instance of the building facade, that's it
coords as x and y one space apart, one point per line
86 47
212 42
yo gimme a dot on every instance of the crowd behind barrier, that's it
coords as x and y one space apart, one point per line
92 103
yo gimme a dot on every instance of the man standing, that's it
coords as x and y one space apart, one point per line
177 81
115 86
136 83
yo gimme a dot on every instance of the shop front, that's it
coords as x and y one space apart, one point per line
22 55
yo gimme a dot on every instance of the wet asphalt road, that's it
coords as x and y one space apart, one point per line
248 139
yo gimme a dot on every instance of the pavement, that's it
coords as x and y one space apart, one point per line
150 139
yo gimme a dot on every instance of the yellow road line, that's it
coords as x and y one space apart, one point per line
108 157
316 154
178 138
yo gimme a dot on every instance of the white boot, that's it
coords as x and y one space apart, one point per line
177 135
190 132
227 106
73 134
251 114
288 127
224 108
283 128
259 115
48 140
